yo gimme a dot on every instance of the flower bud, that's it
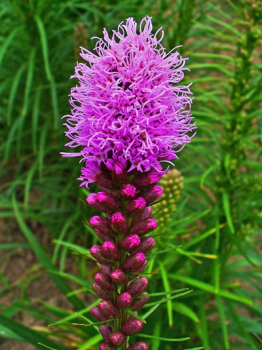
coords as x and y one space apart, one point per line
135 205
147 179
97 314
130 242
108 309
128 191
151 194
106 346
145 246
105 202
139 346
105 332
103 237
132 326
118 168
144 214
133 262
124 300
119 222
118 276
96 252
117 338
111 251
103 294
140 302
106 269
144 226
101 224
104 281
138 286
142 267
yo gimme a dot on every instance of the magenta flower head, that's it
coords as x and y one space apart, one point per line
128 106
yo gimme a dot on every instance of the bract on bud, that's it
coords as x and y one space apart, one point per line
118 168
103 294
118 276
97 314
151 194
135 205
147 179
144 214
120 223
132 326
128 191
101 224
124 300
111 251
117 338
138 346
106 346
138 286
140 302
102 201
103 237
144 226
108 309
130 242
140 269
104 281
96 252
106 269
105 332
133 262
145 246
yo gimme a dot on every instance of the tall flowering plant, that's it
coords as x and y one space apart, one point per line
128 116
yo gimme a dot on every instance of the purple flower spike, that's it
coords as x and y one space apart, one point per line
106 346
138 286
111 251
119 222
133 262
105 332
147 179
103 237
142 267
132 326
124 300
103 294
135 205
144 226
128 191
102 201
97 314
138 346
94 173
128 101
152 194
117 338
118 276
104 281
140 302
118 167
106 270
96 252
145 246
108 309
130 242
101 224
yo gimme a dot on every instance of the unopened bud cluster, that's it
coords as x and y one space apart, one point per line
172 184
125 200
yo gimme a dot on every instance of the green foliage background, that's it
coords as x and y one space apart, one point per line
217 224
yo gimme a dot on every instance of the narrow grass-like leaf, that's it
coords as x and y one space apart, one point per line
75 247
164 339
223 322
167 289
92 341
135 315
183 309
226 205
7 42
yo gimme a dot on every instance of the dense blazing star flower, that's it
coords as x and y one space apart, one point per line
128 104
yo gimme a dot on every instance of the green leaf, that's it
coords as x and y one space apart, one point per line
92 341
226 205
167 289
223 322
183 309
160 338
128 311
75 247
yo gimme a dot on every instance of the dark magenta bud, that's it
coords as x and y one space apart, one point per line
101 224
105 202
118 168
135 205
130 242
108 309
106 270
147 179
138 286
119 222
133 262
152 194
103 237
146 245
124 300
103 294
105 332
132 326
144 226
140 302
144 214
118 276
104 281
111 251
117 338
138 346
106 346
96 252
142 267
128 191
97 314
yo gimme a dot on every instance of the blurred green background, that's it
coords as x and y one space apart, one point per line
214 211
